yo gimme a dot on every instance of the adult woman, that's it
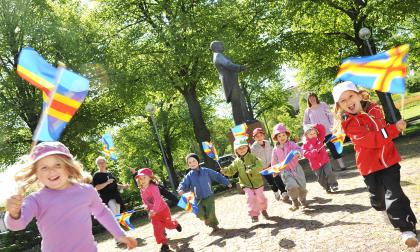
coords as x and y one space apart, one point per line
319 112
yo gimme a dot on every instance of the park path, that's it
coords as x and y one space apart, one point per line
342 221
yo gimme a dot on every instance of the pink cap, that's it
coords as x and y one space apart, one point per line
280 128
144 172
44 149
256 131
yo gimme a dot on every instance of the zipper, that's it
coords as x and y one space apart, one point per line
382 159
247 175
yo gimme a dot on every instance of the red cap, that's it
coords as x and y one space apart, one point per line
256 131
144 172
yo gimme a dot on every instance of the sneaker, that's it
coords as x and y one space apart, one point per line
264 213
277 195
328 190
285 197
254 219
334 188
164 248
215 229
409 239
178 228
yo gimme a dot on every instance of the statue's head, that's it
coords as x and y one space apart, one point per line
217 46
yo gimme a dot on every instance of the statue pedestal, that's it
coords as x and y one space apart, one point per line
251 127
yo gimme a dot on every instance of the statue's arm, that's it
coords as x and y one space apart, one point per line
225 62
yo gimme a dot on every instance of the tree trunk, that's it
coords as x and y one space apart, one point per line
201 131
168 152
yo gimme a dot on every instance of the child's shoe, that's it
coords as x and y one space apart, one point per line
409 239
277 195
295 205
334 188
164 248
254 219
285 197
178 228
304 203
265 214
328 190
215 229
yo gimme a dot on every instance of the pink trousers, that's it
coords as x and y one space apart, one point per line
256 200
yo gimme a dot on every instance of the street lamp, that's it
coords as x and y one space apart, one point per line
151 110
385 98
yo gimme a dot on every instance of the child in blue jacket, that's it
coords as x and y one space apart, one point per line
199 180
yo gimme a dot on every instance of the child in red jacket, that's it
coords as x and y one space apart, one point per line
376 156
314 150
159 213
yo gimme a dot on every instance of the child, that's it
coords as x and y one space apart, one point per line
263 149
314 150
159 213
376 156
63 206
249 166
293 176
199 180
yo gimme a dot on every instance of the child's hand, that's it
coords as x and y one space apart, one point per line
180 192
230 185
401 125
129 241
132 170
13 205
222 171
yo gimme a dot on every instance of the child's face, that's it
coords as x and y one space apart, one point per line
311 134
282 137
259 137
52 172
242 150
192 163
350 102
143 181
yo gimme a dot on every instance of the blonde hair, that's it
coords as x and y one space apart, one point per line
153 179
26 175
339 114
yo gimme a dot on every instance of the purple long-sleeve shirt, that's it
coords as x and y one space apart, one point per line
322 115
64 218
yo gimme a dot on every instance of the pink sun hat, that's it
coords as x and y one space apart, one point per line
144 172
44 149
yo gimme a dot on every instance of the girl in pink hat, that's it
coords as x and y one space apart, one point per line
159 213
293 176
62 204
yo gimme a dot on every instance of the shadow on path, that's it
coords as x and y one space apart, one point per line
182 244
313 210
351 191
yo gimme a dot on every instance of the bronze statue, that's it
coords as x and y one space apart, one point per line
228 74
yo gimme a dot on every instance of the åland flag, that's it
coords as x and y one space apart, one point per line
281 166
210 150
108 146
187 202
240 131
338 141
66 89
124 219
384 72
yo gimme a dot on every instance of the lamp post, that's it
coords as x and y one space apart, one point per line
385 98
151 110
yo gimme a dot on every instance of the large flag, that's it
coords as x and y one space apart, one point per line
210 150
338 141
124 219
383 72
187 202
240 131
66 89
281 166
108 146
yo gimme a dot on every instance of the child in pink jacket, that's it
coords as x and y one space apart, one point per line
314 150
159 213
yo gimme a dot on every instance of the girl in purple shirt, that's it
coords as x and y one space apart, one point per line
63 206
